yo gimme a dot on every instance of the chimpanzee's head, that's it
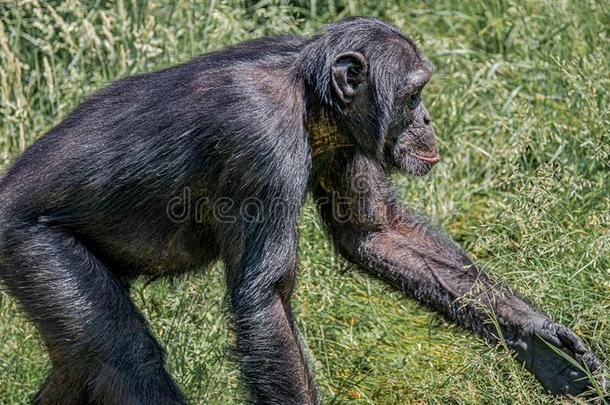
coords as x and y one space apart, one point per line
369 77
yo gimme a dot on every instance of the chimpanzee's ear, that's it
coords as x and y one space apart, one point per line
349 75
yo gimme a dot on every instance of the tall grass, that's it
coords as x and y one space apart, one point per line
521 105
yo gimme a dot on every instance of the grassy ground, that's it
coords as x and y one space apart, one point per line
521 107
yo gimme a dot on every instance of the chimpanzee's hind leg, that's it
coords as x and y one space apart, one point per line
100 345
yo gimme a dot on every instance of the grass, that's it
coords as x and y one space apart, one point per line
521 105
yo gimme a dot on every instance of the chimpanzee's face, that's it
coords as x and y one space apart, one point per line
393 84
410 144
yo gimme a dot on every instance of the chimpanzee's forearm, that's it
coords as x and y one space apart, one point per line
438 274
421 262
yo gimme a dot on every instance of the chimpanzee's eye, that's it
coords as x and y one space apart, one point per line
414 100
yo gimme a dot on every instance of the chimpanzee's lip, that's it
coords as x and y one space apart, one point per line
428 159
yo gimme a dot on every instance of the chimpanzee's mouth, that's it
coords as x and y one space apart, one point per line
428 159
412 160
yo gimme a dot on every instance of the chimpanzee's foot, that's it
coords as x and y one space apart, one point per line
532 343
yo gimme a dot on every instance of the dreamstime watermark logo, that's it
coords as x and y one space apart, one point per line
355 203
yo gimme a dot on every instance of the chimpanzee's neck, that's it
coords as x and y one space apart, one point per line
324 136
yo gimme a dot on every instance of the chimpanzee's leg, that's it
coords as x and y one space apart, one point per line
100 345
261 279
59 388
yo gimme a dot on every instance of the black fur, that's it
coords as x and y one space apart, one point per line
90 206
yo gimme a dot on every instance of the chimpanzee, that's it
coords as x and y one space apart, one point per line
84 211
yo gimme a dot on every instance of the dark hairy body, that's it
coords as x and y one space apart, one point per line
256 126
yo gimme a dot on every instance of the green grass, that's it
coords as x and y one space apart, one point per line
521 106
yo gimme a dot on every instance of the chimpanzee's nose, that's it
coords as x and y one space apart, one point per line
427 119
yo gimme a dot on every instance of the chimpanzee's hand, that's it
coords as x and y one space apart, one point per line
532 343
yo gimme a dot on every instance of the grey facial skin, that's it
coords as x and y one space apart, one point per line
83 213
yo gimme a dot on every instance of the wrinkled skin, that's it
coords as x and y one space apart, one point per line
532 342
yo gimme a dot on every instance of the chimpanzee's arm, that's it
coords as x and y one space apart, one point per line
372 230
